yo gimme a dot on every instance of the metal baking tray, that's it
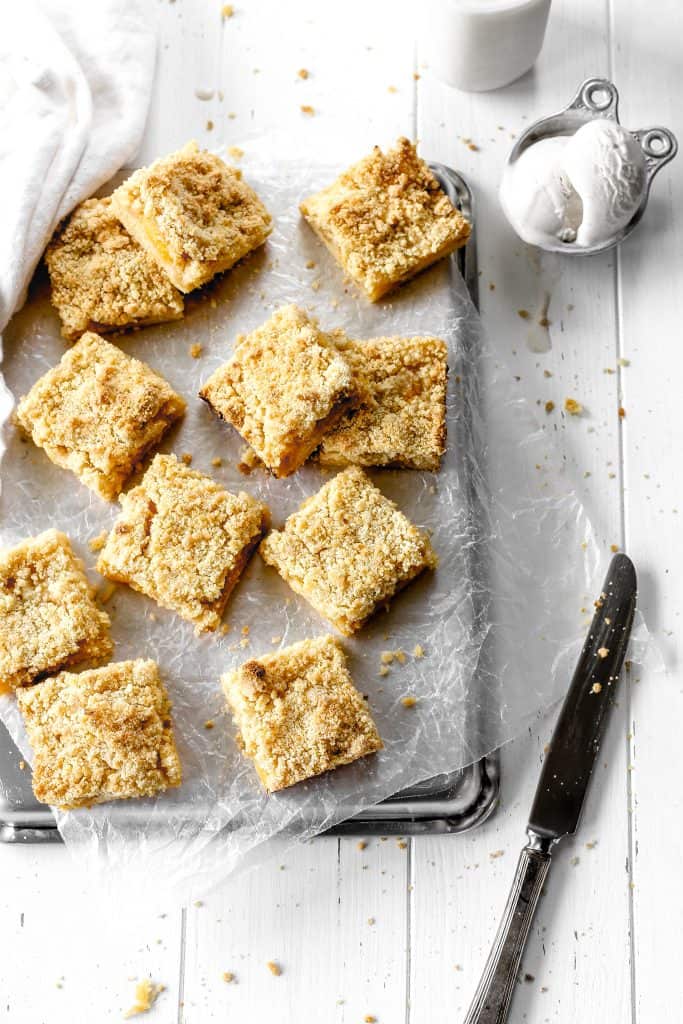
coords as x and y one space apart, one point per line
447 804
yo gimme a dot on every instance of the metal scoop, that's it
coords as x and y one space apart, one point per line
598 98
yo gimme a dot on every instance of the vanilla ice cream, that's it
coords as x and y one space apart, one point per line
580 189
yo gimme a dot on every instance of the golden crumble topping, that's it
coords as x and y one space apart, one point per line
298 712
386 218
402 420
48 615
102 279
104 734
183 540
348 550
285 386
193 214
98 413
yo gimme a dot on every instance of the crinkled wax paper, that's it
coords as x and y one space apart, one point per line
500 622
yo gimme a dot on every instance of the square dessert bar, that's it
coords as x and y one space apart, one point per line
193 214
299 714
348 550
284 388
98 413
183 540
386 218
102 279
402 419
48 615
101 735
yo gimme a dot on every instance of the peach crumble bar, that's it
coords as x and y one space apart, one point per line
298 713
104 734
183 540
102 279
402 420
98 413
193 214
48 615
348 550
386 218
284 388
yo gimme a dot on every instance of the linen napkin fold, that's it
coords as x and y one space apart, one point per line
75 83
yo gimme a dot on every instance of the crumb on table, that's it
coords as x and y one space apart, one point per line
146 994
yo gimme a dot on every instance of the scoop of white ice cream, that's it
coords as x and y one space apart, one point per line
579 189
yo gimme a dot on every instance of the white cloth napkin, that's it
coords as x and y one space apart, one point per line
75 83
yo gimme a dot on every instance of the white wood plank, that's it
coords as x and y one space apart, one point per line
460 887
66 953
647 70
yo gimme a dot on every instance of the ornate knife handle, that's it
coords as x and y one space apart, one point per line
492 1000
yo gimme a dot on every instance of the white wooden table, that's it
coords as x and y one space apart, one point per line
400 933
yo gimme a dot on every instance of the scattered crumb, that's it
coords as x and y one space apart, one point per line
496 854
392 89
529 977
523 313
369 1019
418 651
22 766
400 657
198 903
549 406
204 94
217 461
186 457
573 407
98 542
106 592
603 652
596 687
225 629
310 264
146 993
274 968
236 152
592 844
232 115
402 844
408 702
624 362
249 460
492 286
416 76
574 861
227 11
547 373
306 108
275 639
622 412
387 657
303 73
384 670
361 845
209 723
209 126
473 146
228 976
371 920
195 350
613 548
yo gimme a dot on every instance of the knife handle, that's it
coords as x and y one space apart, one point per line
492 1000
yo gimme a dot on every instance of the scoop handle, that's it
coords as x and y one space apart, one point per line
659 146
599 97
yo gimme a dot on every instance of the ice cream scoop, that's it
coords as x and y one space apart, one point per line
579 182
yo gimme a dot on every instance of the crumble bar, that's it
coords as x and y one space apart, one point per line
183 540
104 734
48 615
98 413
348 550
102 279
402 420
284 388
298 713
386 218
193 214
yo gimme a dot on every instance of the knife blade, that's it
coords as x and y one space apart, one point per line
562 787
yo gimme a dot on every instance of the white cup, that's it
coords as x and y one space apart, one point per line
477 45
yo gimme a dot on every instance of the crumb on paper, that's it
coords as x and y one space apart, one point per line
573 407
97 543
408 702
209 723
603 652
216 461
105 592
418 651
186 457
274 968
524 314
400 657
307 109
276 639
146 993
22 766
228 976
303 73
549 406
361 844
387 657
310 264
195 350
596 688
236 152
227 11
384 670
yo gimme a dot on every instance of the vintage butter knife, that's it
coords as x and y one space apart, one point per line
562 787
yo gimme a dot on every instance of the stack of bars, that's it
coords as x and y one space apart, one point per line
294 392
